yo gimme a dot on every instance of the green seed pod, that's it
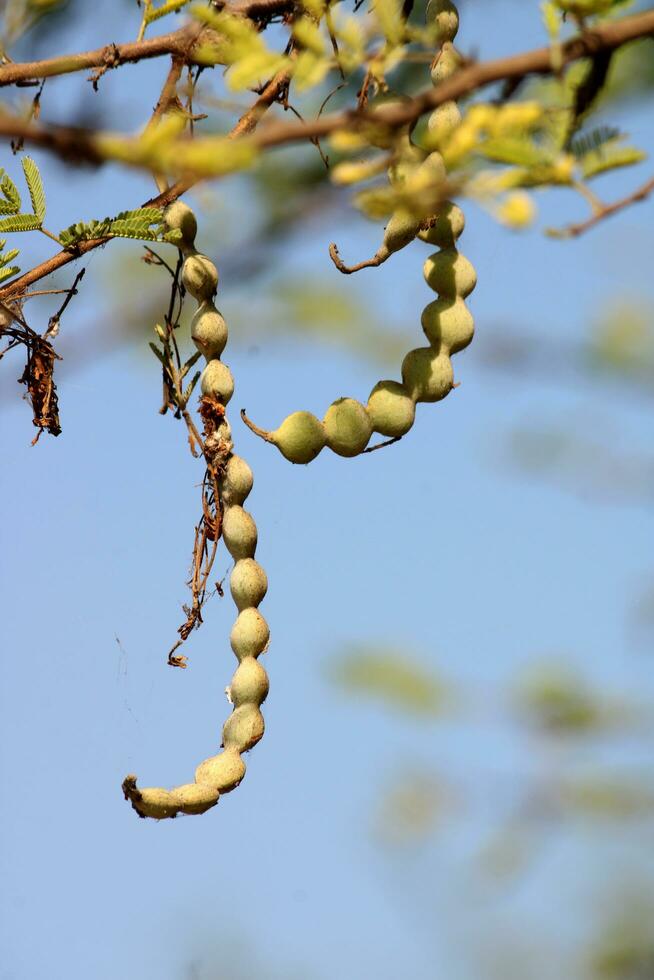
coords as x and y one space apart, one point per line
401 229
239 532
248 583
179 217
442 122
450 274
249 684
217 381
444 227
427 375
433 167
444 15
200 277
380 136
244 728
250 634
448 323
446 64
347 427
390 409
409 158
223 772
300 437
157 803
209 331
195 797
236 481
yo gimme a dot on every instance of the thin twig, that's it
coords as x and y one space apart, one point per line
603 212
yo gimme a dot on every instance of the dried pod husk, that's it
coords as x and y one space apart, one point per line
179 217
442 122
444 15
222 772
200 277
244 728
427 375
250 634
347 427
209 330
300 437
249 684
217 380
195 797
239 532
236 481
444 227
391 409
445 64
248 583
449 273
156 803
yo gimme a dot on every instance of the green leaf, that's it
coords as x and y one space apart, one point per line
35 187
144 224
8 272
609 157
8 256
20 222
523 153
170 7
584 143
11 204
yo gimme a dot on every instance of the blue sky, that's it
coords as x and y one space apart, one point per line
435 546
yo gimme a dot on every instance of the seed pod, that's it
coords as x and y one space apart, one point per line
248 583
249 684
250 634
382 136
445 16
446 64
444 227
390 409
209 331
244 728
195 797
449 273
347 427
155 802
448 323
427 375
223 772
236 481
300 437
179 217
442 122
401 229
408 160
217 380
200 277
239 533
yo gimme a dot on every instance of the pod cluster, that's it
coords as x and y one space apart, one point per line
248 582
427 374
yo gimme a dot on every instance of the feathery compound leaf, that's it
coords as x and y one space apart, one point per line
35 187
609 157
513 150
8 272
8 256
20 222
170 7
584 143
146 224
11 204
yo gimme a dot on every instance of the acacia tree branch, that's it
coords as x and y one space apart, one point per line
180 43
80 144
604 211
246 124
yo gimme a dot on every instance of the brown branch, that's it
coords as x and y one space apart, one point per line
605 211
81 144
180 43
